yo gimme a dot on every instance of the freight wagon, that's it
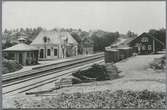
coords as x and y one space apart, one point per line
117 54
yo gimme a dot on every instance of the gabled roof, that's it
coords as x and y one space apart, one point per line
56 37
76 36
21 47
67 35
131 40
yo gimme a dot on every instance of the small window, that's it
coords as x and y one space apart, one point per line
48 52
55 52
144 39
149 47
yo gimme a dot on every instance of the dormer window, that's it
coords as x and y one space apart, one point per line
48 52
21 40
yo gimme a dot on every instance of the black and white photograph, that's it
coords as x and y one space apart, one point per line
84 54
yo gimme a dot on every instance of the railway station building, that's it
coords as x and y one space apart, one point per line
22 53
55 44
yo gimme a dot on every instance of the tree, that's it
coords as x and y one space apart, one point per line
103 39
22 30
7 44
6 31
131 34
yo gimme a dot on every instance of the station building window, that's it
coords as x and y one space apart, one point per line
55 52
48 52
41 53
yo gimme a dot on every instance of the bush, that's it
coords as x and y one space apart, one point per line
158 63
98 72
10 66
102 99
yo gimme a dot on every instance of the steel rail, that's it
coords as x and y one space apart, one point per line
45 73
7 78
49 80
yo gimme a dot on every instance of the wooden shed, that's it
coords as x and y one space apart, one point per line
146 44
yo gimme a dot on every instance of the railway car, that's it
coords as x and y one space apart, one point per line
135 50
130 52
111 55
125 52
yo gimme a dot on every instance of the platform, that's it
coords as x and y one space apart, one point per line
48 62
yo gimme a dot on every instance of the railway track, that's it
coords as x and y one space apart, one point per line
7 78
51 72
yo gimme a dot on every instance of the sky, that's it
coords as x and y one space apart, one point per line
87 15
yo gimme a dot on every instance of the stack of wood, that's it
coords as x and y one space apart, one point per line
112 70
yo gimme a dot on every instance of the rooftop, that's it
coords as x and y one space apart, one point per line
56 37
21 47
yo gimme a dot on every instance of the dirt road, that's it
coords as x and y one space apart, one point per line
137 75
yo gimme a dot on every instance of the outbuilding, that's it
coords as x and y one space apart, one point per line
24 54
146 44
